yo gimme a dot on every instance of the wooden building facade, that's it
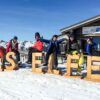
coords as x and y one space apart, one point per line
85 29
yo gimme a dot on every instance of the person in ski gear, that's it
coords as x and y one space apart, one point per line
12 46
73 46
90 47
38 47
53 47
2 56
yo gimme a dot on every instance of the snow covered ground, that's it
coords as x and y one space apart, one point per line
25 85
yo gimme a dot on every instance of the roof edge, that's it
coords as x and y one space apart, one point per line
80 23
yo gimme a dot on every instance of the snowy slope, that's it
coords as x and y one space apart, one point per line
25 85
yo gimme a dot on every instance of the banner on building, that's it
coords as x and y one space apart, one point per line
91 30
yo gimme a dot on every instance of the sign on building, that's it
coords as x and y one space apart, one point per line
91 30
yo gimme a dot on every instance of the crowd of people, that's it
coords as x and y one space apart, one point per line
73 47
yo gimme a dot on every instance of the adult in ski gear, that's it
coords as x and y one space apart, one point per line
38 47
12 46
73 46
89 47
53 47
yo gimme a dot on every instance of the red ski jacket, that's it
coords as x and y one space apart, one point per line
11 46
38 45
2 52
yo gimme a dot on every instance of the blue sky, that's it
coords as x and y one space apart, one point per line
25 17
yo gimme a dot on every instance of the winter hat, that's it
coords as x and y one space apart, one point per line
37 34
54 36
15 37
71 35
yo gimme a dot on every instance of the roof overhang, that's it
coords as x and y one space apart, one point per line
77 25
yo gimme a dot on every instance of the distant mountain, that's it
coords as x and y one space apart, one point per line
3 43
23 45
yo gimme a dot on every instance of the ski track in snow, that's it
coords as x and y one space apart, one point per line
25 85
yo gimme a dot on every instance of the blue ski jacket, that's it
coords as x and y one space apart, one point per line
52 43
